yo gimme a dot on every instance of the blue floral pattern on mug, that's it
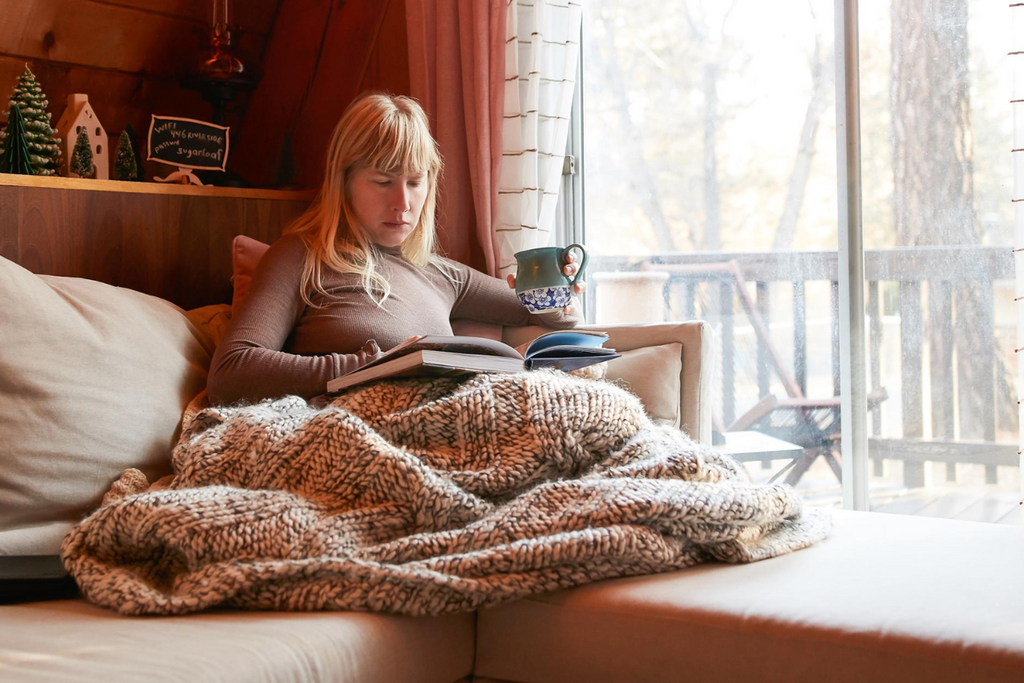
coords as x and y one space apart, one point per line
545 299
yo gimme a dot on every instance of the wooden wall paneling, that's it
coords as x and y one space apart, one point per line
149 247
289 63
194 280
217 247
10 223
101 233
93 247
175 246
254 16
388 66
264 220
114 37
36 243
348 43
318 58
209 265
39 243
227 219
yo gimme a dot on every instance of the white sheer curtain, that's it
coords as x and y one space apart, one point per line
1017 102
541 51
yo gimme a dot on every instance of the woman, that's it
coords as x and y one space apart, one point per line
358 273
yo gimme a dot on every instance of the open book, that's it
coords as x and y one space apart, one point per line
424 355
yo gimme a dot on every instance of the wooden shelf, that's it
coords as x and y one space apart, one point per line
62 183
171 241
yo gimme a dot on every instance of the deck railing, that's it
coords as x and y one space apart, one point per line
941 281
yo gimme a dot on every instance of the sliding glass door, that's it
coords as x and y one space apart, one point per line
711 191
938 232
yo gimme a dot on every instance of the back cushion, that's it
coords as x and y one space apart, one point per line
652 373
93 381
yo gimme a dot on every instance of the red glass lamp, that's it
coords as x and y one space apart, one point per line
220 70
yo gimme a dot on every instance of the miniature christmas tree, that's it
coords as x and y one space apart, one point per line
15 156
81 157
124 164
43 147
135 150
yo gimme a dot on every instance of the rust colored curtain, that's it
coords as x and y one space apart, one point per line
457 72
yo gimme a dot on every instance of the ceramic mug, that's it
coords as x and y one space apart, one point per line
541 284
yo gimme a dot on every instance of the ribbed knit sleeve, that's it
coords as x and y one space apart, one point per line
249 364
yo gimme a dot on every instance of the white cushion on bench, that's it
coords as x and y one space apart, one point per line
886 598
73 641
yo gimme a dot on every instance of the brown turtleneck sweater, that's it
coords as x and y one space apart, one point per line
277 345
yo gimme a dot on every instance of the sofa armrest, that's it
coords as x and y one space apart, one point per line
694 379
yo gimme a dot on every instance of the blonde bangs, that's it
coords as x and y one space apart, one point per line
402 146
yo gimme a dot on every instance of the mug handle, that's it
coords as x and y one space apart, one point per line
583 260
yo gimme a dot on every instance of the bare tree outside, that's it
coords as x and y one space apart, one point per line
710 133
822 65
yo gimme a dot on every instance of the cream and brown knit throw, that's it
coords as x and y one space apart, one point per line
425 497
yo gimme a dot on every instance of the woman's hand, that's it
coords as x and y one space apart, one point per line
570 271
370 352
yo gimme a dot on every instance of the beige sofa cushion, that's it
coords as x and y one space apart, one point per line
884 598
653 374
93 380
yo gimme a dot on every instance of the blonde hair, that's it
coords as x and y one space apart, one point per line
389 133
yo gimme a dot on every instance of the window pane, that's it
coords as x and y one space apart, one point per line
711 193
938 225
710 174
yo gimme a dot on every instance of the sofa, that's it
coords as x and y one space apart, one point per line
94 379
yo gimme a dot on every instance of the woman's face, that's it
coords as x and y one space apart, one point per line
386 205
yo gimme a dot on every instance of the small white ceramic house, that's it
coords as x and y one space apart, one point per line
79 117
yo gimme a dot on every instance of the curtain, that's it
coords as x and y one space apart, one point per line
1017 103
457 71
541 51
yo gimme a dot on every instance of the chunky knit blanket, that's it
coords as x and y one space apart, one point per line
424 497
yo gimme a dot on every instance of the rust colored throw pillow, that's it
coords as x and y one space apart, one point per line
93 381
245 254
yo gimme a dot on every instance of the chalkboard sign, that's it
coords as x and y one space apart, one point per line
188 143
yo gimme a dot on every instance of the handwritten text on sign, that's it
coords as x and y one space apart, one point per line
188 143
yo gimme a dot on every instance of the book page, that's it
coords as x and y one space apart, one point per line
453 344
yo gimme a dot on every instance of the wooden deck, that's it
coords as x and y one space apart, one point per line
767 310
969 500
